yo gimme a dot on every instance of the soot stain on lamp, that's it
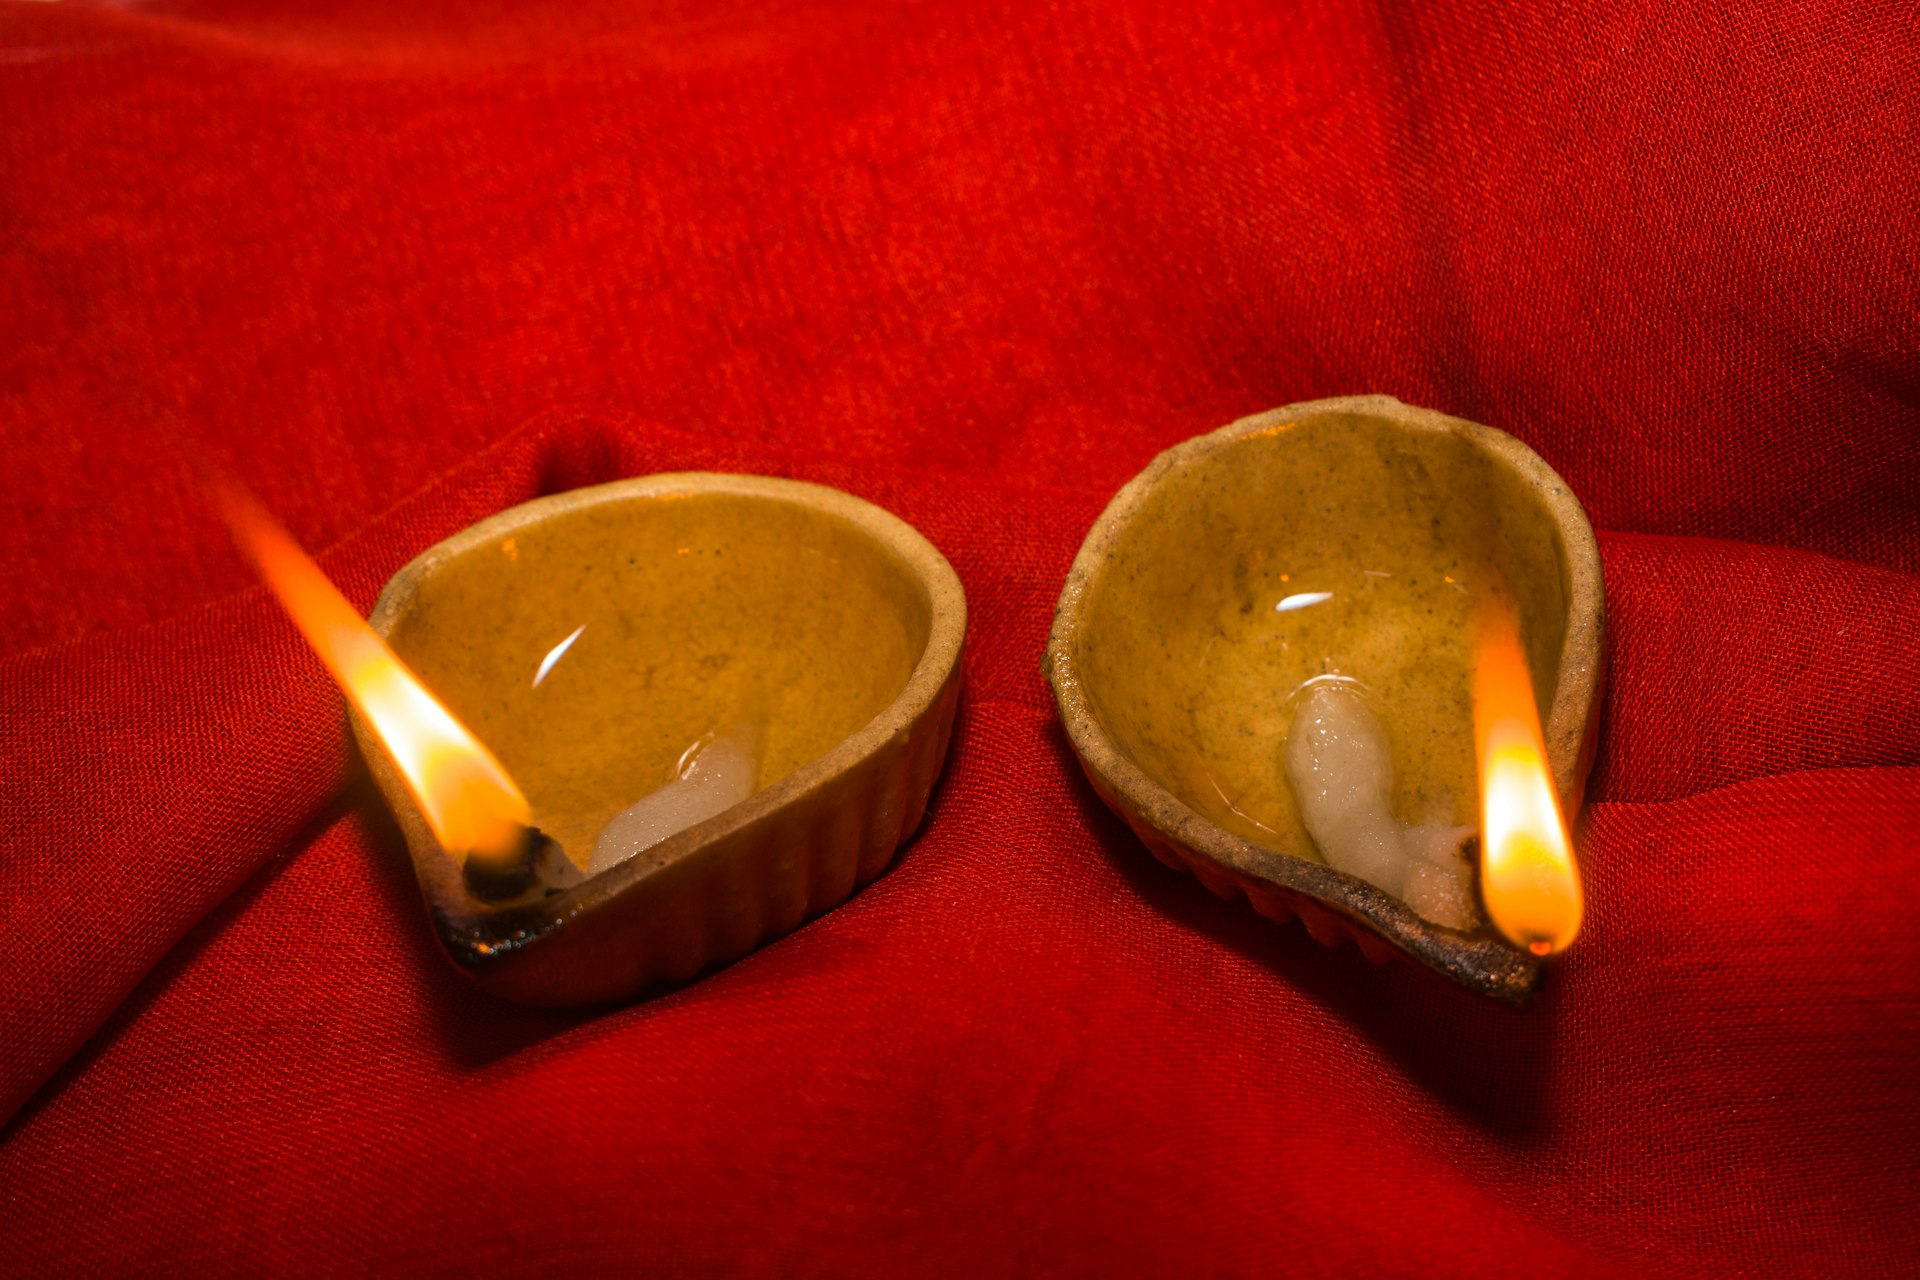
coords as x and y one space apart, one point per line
1337 558
589 637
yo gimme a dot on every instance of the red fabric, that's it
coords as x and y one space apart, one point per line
402 266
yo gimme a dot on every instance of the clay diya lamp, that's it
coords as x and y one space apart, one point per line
1354 540
598 640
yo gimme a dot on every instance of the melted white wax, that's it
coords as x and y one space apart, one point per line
1342 777
715 774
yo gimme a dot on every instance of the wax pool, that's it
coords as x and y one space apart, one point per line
713 775
1341 771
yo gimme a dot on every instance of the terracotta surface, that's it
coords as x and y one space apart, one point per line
706 600
1173 664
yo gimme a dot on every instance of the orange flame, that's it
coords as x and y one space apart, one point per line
466 796
1527 874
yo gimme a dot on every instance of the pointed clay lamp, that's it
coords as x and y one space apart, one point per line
1349 538
594 638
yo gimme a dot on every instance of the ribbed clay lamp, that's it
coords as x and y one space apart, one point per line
1358 537
694 602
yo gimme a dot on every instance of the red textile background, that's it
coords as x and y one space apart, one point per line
402 266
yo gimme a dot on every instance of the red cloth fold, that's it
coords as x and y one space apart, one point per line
403 267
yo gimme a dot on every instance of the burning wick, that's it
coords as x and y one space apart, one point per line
1527 874
1341 772
467 798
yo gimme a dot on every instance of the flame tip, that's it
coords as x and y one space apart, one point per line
464 793
1529 881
